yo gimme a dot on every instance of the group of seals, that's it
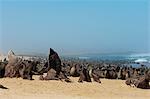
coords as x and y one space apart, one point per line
55 69
140 81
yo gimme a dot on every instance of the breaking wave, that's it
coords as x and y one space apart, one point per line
141 60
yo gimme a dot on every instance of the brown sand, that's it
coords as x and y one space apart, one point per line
36 89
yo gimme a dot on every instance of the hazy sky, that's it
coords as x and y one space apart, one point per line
73 27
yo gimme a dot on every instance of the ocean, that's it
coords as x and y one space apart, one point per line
134 59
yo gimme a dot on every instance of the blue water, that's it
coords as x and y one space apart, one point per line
132 58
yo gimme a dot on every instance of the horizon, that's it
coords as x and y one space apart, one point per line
134 54
75 27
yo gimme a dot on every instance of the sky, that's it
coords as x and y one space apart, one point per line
75 26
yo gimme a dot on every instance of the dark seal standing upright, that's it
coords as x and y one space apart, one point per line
54 61
54 68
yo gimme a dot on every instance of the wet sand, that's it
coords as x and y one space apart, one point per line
36 89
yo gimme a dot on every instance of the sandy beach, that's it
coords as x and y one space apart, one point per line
36 89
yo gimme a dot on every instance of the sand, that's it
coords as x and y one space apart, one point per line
36 89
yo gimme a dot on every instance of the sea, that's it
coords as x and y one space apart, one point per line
134 60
